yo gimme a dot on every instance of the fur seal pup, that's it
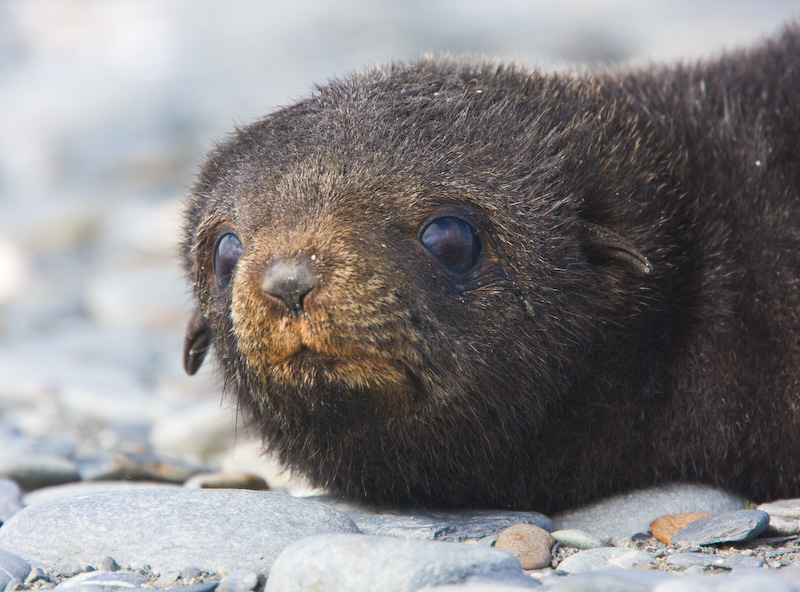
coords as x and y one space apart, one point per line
463 284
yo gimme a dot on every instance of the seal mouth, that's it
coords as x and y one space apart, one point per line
355 371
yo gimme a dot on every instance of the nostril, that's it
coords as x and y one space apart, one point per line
289 280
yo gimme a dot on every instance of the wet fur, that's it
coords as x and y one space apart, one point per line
635 319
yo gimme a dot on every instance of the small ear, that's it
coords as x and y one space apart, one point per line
196 342
607 244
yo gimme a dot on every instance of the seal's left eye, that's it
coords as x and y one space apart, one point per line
226 255
453 243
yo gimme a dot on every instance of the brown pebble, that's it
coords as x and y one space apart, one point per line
664 527
528 543
227 481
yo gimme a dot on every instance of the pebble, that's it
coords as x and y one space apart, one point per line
194 426
429 525
613 580
605 558
751 582
13 270
168 528
787 508
364 563
109 564
56 492
98 580
35 575
685 560
167 578
240 580
784 516
33 472
577 539
201 587
741 525
664 527
187 573
12 567
220 480
780 526
10 499
152 467
622 516
530 544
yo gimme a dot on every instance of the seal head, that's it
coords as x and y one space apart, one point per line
472 285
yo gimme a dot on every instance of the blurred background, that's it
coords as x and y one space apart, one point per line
106 110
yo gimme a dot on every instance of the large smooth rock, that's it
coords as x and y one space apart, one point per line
364 563
168 529
419 523
621 516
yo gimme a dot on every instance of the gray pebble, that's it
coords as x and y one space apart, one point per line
363 563
202 587
35 471
787 508
55 492
101 579
10 499
35 575
741 525
212 529
622 516
239 580
780 526
12 567
109 564
686 560
577 539
751 582
617 580
167 578
187 573
422 524
784 517
605 558
740 561
476 587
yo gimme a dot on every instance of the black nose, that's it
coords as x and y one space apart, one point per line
290 280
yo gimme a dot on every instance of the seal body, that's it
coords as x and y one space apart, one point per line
463 284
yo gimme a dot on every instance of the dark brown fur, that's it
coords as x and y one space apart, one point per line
634 319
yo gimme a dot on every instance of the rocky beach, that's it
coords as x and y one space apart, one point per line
117 471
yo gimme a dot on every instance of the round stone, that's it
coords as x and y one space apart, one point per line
528 543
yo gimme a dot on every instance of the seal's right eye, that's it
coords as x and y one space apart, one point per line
226 255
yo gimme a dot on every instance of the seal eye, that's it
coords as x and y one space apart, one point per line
226 254
453 243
